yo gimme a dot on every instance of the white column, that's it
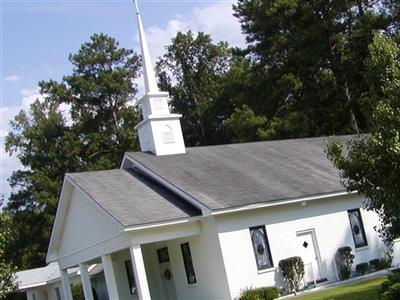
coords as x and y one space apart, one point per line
66 285
110 277
86 284
139 272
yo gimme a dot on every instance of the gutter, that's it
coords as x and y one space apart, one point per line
161 224
279 202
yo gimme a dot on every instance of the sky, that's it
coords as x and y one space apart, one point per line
38 35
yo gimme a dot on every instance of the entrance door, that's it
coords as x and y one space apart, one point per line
166 274
309 252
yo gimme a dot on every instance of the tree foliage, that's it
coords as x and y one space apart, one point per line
370 164
85 122
311 56
191 71
8 283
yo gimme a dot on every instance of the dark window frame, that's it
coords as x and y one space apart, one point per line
131 277
362 228
188 263
269 254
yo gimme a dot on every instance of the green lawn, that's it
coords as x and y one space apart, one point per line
364 290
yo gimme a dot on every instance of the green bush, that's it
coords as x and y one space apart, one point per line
385 263
77 292
292 271
265 293
374 264
344 260
362 268
390 289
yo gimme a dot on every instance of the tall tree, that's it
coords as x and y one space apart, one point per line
371 164
8 283
312 53
191 71
85 122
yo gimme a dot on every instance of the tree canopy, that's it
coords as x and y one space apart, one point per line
85 122
312 53
8 282
191 71
371 164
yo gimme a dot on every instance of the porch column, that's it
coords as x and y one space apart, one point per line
110 277
139 272
66 285
86 284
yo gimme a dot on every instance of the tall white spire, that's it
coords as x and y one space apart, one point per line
160 131
148 73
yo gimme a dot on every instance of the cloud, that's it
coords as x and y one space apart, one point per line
12 78
215 19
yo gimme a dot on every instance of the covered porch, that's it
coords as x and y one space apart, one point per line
154 265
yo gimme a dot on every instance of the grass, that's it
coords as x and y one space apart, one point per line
364 290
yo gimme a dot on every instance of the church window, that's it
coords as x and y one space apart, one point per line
261 248
58 295
188 262
163 255
131 278
357 228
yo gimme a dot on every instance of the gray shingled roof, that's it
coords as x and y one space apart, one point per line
131 198
40 276
228 176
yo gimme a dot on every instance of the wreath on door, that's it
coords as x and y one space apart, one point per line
167 274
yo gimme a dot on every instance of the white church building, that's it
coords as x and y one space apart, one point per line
205 222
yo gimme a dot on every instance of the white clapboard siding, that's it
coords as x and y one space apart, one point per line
86 225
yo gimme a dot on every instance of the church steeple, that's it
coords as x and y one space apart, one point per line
160 131
148 74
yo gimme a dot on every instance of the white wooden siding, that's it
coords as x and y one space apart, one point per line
86 226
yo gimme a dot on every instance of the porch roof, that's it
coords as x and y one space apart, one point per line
40 276
131 198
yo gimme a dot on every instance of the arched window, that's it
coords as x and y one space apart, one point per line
357 228
261 249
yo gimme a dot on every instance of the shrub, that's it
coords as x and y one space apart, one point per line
385 263
292 271
265 293
77 292
390 289
374 264
344 260
362 268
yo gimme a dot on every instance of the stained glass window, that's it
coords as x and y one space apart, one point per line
131 277
357 228
261 249
187 260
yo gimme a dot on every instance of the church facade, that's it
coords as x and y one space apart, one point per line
206 222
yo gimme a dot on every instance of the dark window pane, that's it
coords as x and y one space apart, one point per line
131 277
58 295
163 255
357 228
261 249
187 260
